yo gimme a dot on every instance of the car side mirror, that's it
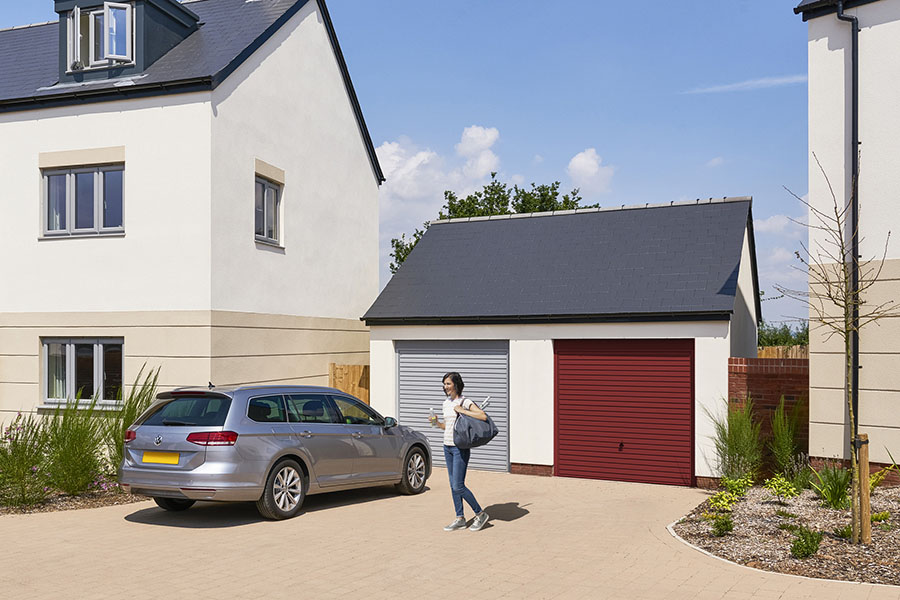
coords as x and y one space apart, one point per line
390 422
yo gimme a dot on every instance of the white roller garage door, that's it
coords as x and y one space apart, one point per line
484 366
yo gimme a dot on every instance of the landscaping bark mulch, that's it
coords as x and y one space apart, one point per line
93 499
757 541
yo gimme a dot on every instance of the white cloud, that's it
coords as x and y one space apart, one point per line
782 225
750 85
588 173
538 159
715 162
475 145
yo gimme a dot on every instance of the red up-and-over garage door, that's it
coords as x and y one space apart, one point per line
624 410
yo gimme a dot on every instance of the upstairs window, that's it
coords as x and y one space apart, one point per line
267 211
100 36
83 200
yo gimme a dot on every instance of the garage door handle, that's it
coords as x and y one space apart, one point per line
306 434
621 446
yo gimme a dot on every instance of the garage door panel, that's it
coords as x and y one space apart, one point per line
637 393
484 366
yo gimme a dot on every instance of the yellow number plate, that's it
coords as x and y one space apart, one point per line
161 458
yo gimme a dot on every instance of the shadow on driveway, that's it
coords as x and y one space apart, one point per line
508 511
211 515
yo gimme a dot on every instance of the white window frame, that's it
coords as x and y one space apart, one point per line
70 369
98 227
279 189
75 33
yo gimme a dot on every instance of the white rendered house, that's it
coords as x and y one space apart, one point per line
188 186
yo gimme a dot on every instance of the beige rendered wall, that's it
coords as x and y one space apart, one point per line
743 323
189 348
288 107
879 188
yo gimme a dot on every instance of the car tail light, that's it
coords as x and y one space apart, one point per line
213 438
130 435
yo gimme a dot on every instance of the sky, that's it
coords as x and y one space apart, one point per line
631 102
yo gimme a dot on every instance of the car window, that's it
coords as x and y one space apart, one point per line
309 408
185 411
354 412
266 409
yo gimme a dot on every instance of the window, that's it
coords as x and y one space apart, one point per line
82 367
84 200
100 37
356 413
266 409
309 408
185 411
268 206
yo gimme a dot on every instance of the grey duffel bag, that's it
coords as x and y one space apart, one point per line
469 432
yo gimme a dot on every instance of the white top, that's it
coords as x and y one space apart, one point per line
450 416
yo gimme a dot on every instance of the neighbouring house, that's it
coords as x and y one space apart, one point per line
188 186
848 122
601 335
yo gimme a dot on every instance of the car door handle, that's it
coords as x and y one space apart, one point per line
356 434
306 434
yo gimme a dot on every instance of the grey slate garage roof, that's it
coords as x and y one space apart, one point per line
231 31
664 262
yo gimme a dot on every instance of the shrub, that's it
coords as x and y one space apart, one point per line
833 486
807 542
783 335
786 514
880 516
737 444
73 446
884 526
783 444
23 473
722 525
844 532
739 486
788 527
723 501
781 488
799 473
116 423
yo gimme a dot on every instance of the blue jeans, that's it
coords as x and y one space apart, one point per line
457 462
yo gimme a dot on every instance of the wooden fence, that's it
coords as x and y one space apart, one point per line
353 379
782 352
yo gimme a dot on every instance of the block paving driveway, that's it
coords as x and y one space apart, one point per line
548 538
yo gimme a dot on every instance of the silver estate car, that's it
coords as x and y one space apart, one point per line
268 444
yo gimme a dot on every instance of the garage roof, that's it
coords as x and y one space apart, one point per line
678 261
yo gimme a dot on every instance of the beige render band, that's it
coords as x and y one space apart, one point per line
270 172
88 156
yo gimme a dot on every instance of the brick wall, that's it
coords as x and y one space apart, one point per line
765 381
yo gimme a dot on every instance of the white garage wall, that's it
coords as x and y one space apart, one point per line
531 374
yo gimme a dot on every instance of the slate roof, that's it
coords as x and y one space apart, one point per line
664 262
231 31
811 9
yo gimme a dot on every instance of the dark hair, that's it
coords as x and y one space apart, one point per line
456 378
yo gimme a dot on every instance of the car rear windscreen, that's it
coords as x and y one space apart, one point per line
188 411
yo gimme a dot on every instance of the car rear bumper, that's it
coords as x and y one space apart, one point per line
193 485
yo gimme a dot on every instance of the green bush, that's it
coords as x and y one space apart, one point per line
723 501
788 527
807 542
844 532
116 422
880 516
783 335
738 487
781 488
23 463
785 514
737 444
73 446
722 525
783 445
833 486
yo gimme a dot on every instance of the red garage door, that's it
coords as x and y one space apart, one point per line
624 410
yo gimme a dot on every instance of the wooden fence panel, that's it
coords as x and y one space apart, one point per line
353 379
782 352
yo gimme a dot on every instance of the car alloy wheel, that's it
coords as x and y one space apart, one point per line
288 488
414 473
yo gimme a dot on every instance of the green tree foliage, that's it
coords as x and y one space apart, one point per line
783 335
495 198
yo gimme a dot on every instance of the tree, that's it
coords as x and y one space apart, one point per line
495 198
784 334
839 306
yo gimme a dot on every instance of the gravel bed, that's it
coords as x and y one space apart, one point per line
66 502
756 540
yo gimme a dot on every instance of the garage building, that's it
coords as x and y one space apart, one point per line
602 336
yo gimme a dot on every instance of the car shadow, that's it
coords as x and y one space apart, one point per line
211 515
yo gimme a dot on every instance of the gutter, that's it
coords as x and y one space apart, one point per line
550 319
854 212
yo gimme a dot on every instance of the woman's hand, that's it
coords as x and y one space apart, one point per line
474 412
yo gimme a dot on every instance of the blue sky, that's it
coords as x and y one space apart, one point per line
633 102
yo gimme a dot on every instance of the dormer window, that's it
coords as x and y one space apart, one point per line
101 36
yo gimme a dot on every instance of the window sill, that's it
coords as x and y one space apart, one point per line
99 67
64 235
50 406
269 243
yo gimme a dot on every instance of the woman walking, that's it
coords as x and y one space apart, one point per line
457 459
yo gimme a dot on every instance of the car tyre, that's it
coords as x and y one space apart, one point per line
174 504
284 493
415 473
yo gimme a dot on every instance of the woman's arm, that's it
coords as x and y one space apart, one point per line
474 411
